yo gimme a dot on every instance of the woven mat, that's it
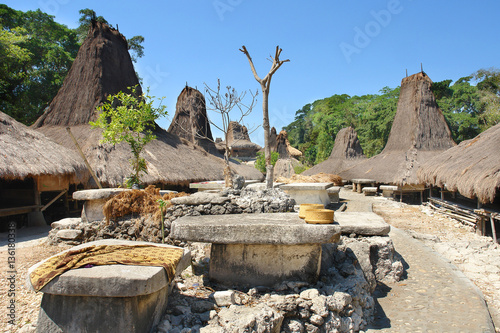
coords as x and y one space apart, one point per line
139 255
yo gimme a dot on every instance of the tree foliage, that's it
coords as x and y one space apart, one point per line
37 53
130 117
470 105
260 162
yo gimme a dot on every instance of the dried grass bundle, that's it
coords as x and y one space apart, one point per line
138 202
318 178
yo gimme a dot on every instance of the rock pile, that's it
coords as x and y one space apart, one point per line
144 228
340 301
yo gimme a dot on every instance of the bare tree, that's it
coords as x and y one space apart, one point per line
223 104
265 84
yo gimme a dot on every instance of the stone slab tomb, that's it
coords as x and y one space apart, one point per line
358 184
108 298
258 249
315 193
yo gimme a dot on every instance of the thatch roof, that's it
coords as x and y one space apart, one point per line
103 67
284 148
471 168
27 153
191 121
418 133
346 152
272 139
238 138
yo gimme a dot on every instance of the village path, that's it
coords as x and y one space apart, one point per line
435 296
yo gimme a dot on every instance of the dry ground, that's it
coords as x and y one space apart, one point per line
27 301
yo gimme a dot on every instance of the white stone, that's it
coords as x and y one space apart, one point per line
224 298
68 234
309 294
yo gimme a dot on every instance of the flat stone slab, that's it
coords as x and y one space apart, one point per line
96 194
370 189
200 198
111 280
66 223
362 223
306 186
308 192
333 189
388 188
108 298
259 186
267 228
363 181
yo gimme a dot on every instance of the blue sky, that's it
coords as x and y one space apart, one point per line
351 47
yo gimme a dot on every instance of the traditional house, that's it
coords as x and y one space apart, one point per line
239 142
103 67
287 163
472 168
419 132
190 121
346 153
34 171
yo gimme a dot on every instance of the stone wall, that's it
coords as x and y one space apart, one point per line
144 228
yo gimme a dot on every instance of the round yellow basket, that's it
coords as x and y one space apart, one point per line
319 216
304 207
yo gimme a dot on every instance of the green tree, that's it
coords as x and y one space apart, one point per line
130 117
88 15
260 162
32 75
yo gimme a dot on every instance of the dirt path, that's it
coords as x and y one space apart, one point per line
431 274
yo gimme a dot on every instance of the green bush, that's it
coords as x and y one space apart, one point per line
260 163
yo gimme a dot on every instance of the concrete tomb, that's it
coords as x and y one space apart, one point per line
308 192
258 249
388 190
108 298
369 191
358 184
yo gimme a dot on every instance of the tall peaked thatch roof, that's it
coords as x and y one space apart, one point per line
471 168
284 148
346 152
238 137
418 133
191 121
272 139
28 153
103 67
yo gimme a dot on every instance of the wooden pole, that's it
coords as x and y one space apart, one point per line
53 200
84 158
493 231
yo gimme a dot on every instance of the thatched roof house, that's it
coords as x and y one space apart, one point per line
471 168
419 132
27 153
101 68
31 163
284 148
239 141
346 153
191 121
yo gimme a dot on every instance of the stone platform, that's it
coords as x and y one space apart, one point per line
314 193
108 298
265 249
258 249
